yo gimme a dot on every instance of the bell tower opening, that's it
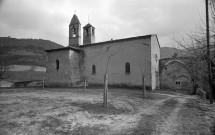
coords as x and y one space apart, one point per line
74 31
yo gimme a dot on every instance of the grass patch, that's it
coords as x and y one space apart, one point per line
54 125
50 122
193 114
98 108
9 125
88 130
49 125
147 125
29 114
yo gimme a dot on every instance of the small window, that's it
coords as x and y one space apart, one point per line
93 69
93 31
127 68
177 82
156 57
57 64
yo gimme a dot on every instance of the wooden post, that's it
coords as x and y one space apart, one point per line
105 90
85 83
143 86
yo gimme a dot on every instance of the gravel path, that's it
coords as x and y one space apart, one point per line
169 126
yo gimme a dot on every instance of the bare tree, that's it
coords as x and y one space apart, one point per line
195 45
106 75
143 77
3 69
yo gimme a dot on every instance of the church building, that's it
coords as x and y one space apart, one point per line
124 60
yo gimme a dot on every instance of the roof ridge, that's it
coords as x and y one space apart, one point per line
88 25
117 40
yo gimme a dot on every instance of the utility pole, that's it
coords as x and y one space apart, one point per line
208 53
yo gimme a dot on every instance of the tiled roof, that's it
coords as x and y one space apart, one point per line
88 25
79 48
75 20
117 40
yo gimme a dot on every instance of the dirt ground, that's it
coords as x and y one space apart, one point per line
77 112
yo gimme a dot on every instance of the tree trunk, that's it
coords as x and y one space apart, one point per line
85 83
43 83
105 90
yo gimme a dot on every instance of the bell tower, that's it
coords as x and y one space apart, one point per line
74 32
88 34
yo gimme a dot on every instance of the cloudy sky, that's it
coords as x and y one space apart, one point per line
116 19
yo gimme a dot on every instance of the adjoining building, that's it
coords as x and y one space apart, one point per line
127 59
175 75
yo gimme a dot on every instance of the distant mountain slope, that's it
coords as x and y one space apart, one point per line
38 43
25 51
168 52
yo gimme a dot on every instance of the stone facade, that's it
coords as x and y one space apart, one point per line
69 69
125 60
130 51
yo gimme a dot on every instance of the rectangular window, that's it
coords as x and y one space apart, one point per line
156 57
57 64
177 82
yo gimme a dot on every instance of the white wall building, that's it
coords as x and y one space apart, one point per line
129 58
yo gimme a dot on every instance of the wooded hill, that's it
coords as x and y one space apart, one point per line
25 51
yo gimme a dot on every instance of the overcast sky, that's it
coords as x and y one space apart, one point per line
116 19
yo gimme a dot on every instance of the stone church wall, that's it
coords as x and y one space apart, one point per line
136 52
68 71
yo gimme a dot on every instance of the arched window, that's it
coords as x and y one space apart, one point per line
93 69
127 68
57 64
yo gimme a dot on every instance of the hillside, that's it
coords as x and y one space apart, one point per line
25 51
37 43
